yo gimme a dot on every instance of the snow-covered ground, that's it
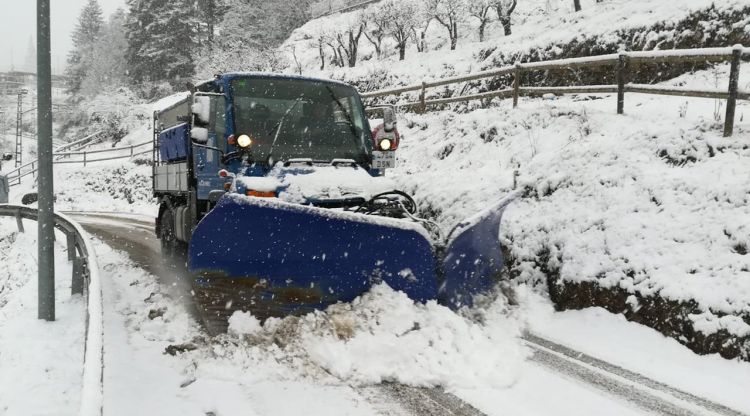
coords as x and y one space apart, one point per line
157 357
40 362
653 202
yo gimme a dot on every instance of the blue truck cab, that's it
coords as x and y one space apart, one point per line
245 125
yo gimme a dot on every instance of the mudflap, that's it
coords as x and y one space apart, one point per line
473 259
291 259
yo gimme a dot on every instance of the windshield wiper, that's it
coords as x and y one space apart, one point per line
277 128
350 122
341 106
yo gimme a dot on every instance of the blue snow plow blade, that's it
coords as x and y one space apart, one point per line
473 258
299 258
288 259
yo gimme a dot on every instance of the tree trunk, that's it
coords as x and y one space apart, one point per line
402 51
453 30
322 57
481 30
577 5
505 21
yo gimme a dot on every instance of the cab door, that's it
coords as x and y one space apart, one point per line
207 157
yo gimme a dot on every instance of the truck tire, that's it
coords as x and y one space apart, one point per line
167 236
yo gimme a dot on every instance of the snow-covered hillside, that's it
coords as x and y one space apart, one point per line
540 28
654 203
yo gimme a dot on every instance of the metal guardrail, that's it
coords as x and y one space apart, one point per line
79 157
85 281
622 62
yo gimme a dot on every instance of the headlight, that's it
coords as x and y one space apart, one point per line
244 141
385 144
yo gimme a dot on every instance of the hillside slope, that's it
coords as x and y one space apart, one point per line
539 32
617 211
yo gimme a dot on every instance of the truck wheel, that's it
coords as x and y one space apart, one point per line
166 235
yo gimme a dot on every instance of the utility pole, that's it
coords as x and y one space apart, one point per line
46 220
19 127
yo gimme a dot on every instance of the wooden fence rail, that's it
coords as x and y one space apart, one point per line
623 63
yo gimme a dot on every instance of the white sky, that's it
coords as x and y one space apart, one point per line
18 24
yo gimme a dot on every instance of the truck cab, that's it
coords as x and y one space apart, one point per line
260 135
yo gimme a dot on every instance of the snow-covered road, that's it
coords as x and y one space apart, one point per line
140 377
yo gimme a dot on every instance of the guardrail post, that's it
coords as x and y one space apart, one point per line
71 246
734 80
19 222
622 68
516 84
80 272
84 158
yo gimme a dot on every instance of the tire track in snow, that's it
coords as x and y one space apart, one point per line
392 399
635 388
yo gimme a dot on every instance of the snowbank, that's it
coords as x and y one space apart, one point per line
385 336
38 359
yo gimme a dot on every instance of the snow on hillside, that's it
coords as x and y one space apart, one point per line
653 202
536 25
121 185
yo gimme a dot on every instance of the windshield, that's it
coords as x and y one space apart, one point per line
300 119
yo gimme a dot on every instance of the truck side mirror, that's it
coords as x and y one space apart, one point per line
389 119
202 108
7 156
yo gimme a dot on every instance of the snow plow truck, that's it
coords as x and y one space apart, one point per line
273 187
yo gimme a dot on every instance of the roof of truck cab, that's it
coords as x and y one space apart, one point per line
232 75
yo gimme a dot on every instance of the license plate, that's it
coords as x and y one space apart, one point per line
383 160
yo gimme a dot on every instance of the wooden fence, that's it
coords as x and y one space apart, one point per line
622 64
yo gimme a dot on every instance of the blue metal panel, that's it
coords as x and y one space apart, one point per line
181 140
328 257
473 259
174 142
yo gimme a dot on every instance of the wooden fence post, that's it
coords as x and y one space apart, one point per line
84 158
423 99
734 80
516 84
622 68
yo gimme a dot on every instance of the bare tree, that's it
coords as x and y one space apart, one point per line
377 26
402 15
505 9
338 56
348 40
480 9
319 42
448 13
421 22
